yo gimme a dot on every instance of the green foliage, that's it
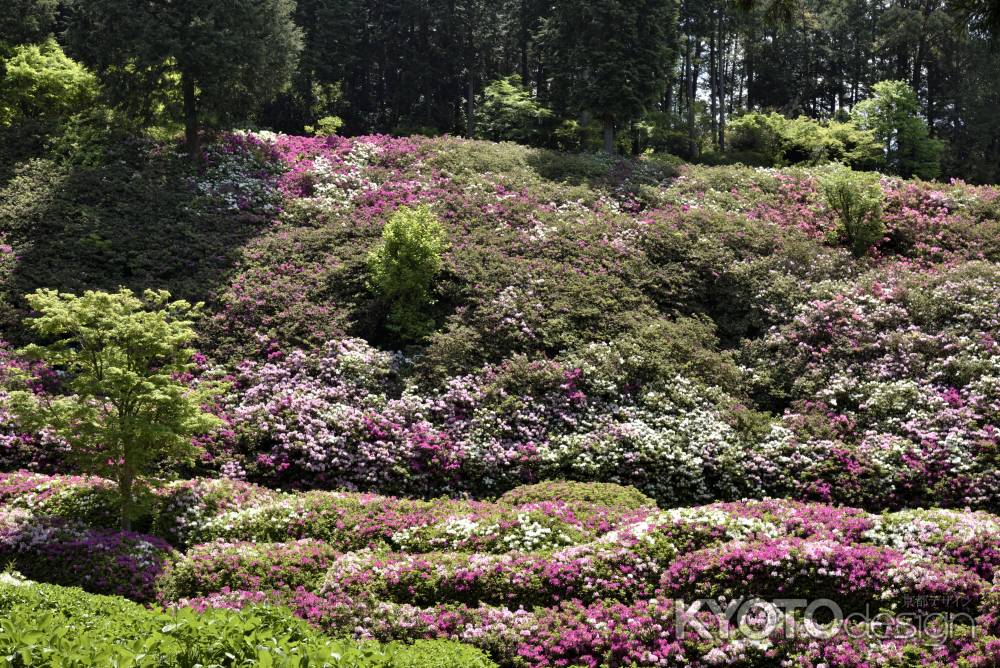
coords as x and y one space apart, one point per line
760 133
24 21
661 132
660 351
571 135
220 58
857 199
44 625
89 138
609 59
892 114
605 494
402 268
773 140
326 126
437 654
104 210
124 409
41 84
509 112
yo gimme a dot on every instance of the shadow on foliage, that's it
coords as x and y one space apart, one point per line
73 554
122 214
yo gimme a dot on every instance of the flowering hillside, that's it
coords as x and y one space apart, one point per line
739 395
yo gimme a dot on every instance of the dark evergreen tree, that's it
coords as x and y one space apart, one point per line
24 21
222 57
609 59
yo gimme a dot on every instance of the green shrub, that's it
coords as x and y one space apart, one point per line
465 158
665 164
508 112
498 530
572 135
41 83
438 654
42 625
250 566
660 351
575 169
892 114
403 266
349 521
773 140
326 126
662 132
760 135
607 494
857 198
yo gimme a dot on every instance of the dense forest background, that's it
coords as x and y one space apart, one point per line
663 75
405 66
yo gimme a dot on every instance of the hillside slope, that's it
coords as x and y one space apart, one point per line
703 333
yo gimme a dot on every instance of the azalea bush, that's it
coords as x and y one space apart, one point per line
614 593
857 200
182 509
336 420
346 418
639 382
98 560
213 567
521 576
605 494
891 392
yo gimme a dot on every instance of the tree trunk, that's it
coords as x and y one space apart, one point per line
918 60
749 66
609 136
723 38
525 74
125 491
692 98
470 108
713 83
192 135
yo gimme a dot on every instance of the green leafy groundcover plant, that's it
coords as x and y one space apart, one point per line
44 625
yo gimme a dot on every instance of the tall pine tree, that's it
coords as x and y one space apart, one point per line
224 56
609 59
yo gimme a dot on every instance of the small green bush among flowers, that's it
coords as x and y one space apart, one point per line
857 199
403 266
673 380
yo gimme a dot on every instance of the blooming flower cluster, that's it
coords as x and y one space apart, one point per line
98 560
331 420
89 500
249 566
337 419
606 589
894 393
673 388
241 174
182 509
42 451
613 592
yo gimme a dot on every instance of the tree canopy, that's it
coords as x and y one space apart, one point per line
218 58
892 114
609 59
124 407
25 21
